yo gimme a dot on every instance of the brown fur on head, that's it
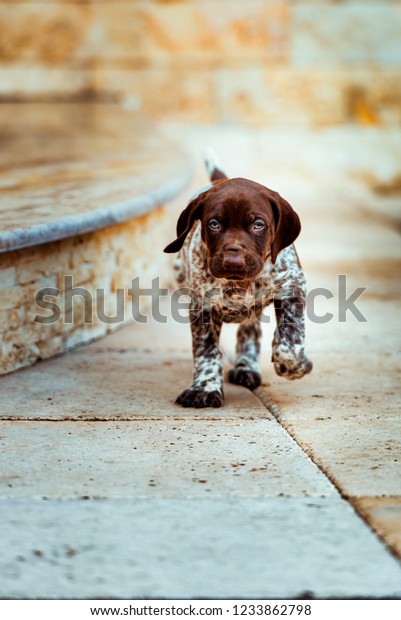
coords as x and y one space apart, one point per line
243 223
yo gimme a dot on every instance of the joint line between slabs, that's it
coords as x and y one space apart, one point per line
277 413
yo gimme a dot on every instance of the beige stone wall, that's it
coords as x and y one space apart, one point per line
108 259
256 61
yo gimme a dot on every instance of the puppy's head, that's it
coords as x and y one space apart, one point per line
242 224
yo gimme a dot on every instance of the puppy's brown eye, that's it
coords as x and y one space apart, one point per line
258 225
214 225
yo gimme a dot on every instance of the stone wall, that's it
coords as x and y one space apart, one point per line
101 262
255 61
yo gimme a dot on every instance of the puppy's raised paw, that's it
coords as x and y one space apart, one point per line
291 364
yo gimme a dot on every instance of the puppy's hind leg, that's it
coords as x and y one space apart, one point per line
246 370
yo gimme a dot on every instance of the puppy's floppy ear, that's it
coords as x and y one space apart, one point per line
193 211
287 224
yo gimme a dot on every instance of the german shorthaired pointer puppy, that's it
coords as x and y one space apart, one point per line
236 257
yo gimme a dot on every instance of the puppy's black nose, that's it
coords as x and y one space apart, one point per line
233 259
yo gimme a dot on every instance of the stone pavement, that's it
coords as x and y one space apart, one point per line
108 489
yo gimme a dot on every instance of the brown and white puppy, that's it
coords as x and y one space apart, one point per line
236 257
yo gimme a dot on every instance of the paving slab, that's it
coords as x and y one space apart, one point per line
334 390
252 458
193 548
106 384
384 514
363 456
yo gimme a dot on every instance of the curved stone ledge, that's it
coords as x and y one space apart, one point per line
69 169
80 224
92 206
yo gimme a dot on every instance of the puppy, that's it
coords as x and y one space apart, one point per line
236 257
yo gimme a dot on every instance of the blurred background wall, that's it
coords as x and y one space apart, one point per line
319 62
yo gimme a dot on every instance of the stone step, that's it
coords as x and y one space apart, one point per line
81 213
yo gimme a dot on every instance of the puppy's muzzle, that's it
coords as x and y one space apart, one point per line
235 265
234 260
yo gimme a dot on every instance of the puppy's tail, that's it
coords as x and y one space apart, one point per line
213 166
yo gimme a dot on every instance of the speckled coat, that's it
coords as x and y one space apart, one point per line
214 301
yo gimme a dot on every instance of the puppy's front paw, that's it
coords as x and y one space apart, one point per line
198 398
246 377
291 364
